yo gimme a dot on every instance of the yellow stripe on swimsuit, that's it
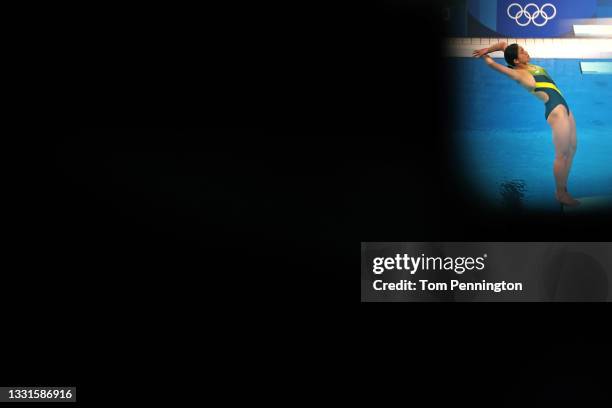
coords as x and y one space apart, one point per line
548 85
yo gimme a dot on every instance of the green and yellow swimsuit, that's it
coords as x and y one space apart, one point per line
545 84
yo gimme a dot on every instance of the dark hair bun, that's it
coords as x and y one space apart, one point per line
511 53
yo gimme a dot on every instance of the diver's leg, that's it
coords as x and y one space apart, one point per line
573 143
562 134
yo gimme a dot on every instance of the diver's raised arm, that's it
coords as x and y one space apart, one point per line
500 46
512 73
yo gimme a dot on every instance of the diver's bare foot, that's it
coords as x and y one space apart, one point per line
564 198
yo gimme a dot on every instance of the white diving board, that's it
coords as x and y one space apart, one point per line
593 30
596 67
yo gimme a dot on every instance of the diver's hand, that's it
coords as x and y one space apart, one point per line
480 53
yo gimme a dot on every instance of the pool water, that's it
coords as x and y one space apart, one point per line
505 144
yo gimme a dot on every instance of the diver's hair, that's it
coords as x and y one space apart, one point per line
510 54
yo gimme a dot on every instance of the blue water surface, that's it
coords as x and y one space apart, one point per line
506 145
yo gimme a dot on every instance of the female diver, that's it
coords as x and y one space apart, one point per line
537 81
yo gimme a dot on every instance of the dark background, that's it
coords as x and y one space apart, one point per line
208 201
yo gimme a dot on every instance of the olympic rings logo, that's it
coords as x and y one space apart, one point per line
531 14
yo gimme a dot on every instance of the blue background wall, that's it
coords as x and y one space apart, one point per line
488 18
